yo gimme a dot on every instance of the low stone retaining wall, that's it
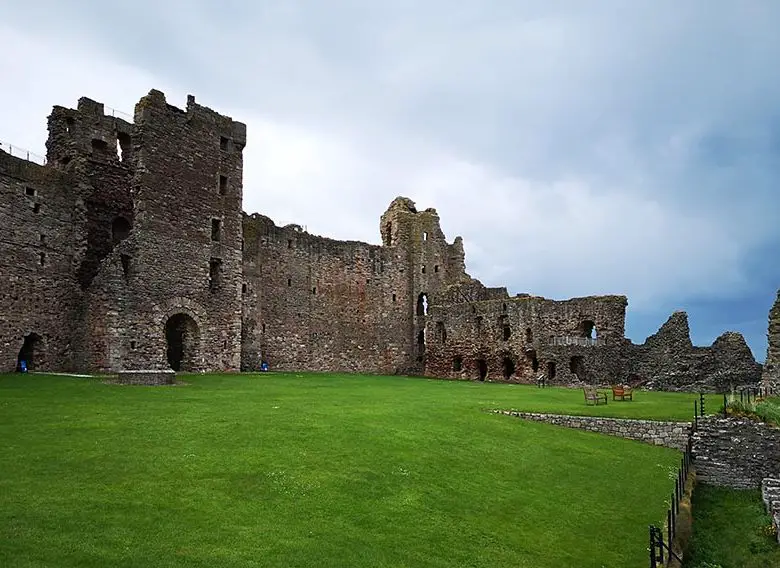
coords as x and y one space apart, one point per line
669 434
149 377
736 452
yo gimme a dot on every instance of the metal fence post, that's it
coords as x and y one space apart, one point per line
652 547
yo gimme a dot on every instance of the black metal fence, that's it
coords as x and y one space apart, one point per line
660 540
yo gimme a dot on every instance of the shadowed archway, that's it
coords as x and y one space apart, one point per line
31 345
182 337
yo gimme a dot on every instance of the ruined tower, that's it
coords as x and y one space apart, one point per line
772 364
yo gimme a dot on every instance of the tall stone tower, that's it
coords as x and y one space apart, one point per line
165 290
772 365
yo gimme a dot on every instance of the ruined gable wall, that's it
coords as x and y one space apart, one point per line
668 360
38 290
176 263
772 365
518 339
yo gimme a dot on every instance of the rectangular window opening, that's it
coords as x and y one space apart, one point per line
224 143
29 191
42 258
37 208
223 184
215 274
216 230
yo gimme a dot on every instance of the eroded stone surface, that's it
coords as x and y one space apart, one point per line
130 250
772 365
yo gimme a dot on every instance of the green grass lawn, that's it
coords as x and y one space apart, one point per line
295 470
731 530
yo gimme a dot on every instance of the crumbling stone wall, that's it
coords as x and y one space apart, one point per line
736 452
772 365
129 250
474 334
319 304
668 360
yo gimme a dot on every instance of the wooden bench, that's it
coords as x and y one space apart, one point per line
620 392
592 396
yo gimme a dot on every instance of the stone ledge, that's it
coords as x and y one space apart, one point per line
147 377
673 435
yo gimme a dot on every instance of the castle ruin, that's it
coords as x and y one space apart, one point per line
129 250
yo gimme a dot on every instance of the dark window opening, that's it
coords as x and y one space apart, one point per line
215 274
435 267
531 356
577 367
243 288
42 258
420 345
508 368
289 282
68 125
550 370
132 345
123 143
216 230
27 353
224 344
223 184
42 238
125 259
588 329
30 191
37 208
289 243
457 363
394 297
99 146
423 269
242 244
441 331
65 160
314 291
263 328
482 369
224 144
422 304
120 229
529 335
507 332
503 307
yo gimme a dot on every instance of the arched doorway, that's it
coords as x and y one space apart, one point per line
182 337
508 368
30 346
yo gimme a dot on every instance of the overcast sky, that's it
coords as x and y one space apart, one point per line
609 146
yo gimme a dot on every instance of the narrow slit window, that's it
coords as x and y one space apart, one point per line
216 230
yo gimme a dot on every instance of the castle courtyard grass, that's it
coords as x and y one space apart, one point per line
296 470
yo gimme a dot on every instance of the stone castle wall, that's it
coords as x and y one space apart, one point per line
736 452
130 250
658 433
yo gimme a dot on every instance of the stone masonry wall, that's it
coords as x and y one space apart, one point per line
669 434
517 339
169 295
772 365
312 303
736 452
130 250
39 214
